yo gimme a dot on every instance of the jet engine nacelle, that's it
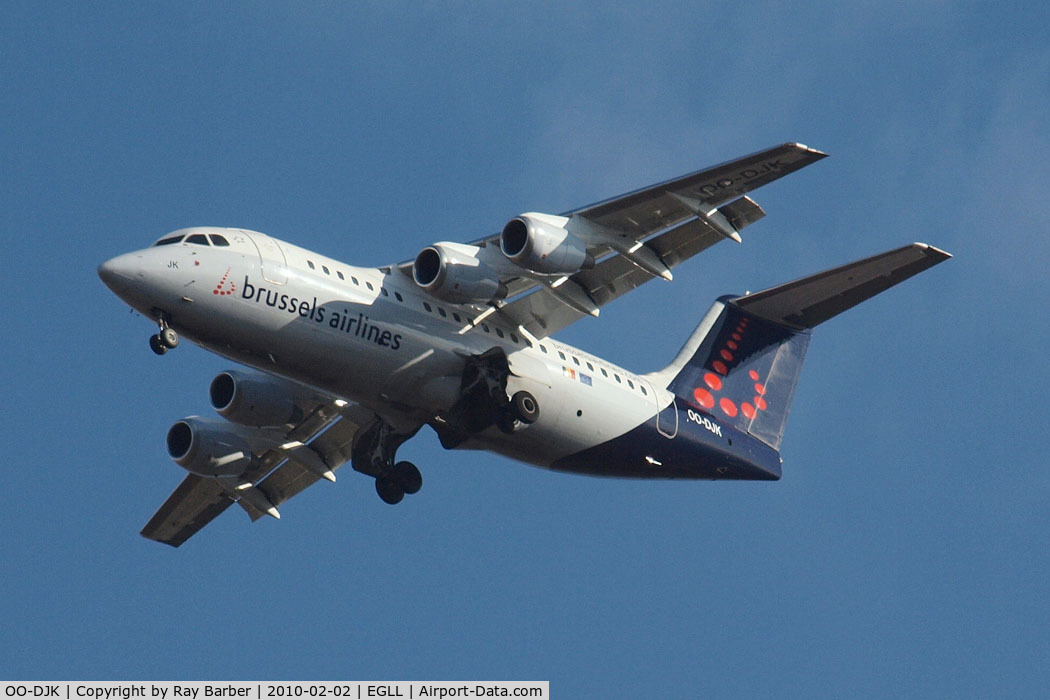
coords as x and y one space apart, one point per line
537 243
255 400
207 450
453 272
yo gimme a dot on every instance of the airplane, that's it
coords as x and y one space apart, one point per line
342 363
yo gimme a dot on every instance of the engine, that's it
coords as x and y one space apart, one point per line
453 272
207 450
541 246
255 400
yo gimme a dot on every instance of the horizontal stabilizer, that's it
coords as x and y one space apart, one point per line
810 301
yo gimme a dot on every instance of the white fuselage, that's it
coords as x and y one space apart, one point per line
371 336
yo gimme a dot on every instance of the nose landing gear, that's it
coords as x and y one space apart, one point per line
165 340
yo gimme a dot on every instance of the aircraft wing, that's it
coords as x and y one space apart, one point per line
277 475
195 503
638 236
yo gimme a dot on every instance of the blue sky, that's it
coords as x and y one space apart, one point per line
903 554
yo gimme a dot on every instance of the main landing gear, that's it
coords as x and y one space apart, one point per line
166 339
523 408
374 453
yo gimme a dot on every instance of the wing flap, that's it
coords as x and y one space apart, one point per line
290 478
810 301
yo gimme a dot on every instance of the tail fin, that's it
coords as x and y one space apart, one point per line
744 371
743 361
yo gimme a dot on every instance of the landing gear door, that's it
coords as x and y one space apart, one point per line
271 257
525 366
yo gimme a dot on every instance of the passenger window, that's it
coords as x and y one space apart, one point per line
604 373
456 316
339 274
576 360
198 239
370 287
630 383
383 290
325 268
354 280
644 392
310 264
543 349
427 307
441 311
590 366
561 354
617 378
218 240
513 338
485 326
499 332
397 295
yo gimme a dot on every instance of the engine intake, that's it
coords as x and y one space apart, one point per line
254 399
206 450
543 247
453 272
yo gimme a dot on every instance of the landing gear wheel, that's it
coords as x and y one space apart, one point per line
390 490
169 337
408 477
157 345
525 407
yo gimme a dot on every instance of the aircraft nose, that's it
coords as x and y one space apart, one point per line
119 272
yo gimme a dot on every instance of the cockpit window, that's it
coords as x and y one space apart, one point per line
168 241
198 239
218 240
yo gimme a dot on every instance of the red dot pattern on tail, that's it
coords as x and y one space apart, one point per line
705 395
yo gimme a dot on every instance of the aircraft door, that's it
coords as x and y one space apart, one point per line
271 257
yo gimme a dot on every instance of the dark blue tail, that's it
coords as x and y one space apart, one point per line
743 370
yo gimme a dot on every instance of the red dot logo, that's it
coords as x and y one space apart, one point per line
760 403
713 380
748 410
760 389
720 367
728 407
221 288
704 398
754 375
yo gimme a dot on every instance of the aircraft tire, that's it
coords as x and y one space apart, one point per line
526 408
169 337
157 345
389 490
408 477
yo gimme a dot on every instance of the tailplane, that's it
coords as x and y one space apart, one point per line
743 361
